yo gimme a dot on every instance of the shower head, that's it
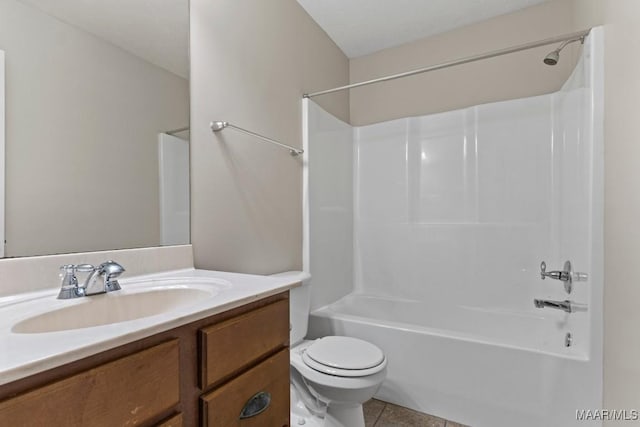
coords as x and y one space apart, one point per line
553 57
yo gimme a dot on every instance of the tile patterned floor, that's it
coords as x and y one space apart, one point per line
382 414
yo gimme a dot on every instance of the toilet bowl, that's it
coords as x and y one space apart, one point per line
338 374
331 377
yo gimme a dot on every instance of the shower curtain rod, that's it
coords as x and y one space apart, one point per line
580 35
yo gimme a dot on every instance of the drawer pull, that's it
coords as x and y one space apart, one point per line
256 405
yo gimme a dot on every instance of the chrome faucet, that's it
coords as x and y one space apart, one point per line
108 271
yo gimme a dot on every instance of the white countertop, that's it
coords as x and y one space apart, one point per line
24 354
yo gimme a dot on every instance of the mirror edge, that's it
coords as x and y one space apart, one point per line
2 148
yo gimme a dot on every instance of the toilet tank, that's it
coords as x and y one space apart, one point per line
299 305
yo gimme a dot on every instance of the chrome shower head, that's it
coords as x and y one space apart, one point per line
552 58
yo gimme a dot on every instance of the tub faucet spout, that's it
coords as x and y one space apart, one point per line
565 305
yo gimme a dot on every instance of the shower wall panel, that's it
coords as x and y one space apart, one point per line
456 206
328 155
460 208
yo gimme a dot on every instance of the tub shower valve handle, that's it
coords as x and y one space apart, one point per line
565 275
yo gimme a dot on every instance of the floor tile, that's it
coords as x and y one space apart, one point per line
372 410
397 416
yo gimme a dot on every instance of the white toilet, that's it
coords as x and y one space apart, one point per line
331 377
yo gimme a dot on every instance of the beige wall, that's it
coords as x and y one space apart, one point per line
246 214
512 76
251 62
82 123
622 205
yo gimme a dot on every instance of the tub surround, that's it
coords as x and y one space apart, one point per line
452 215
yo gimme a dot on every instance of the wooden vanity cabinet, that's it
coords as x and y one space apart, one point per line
129 390
174 421
230 346
246 344
220 408
202 373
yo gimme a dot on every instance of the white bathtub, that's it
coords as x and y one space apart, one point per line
518 375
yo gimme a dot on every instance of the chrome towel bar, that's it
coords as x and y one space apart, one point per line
217 126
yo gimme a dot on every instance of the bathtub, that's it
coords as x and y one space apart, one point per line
479 367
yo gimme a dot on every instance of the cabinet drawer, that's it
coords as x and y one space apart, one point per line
222 407
127 391
232 345
175 421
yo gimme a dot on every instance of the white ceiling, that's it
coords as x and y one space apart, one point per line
360 27
155 30
158 30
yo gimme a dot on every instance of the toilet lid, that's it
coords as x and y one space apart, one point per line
344 353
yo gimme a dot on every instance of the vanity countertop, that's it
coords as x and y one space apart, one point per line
23 354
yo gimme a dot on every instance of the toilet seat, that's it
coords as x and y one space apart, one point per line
344 357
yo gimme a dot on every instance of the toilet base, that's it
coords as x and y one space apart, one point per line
300 415
345 415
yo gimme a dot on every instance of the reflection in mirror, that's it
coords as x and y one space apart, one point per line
92 91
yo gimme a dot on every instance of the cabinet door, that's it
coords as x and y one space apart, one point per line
267 382
175 421
232 345
127 391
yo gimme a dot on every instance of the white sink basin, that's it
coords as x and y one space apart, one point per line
39 332
134 301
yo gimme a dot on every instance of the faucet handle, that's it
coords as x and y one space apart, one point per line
111 270
85 268
69 286
68 275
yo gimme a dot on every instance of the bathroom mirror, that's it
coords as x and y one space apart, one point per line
97 116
